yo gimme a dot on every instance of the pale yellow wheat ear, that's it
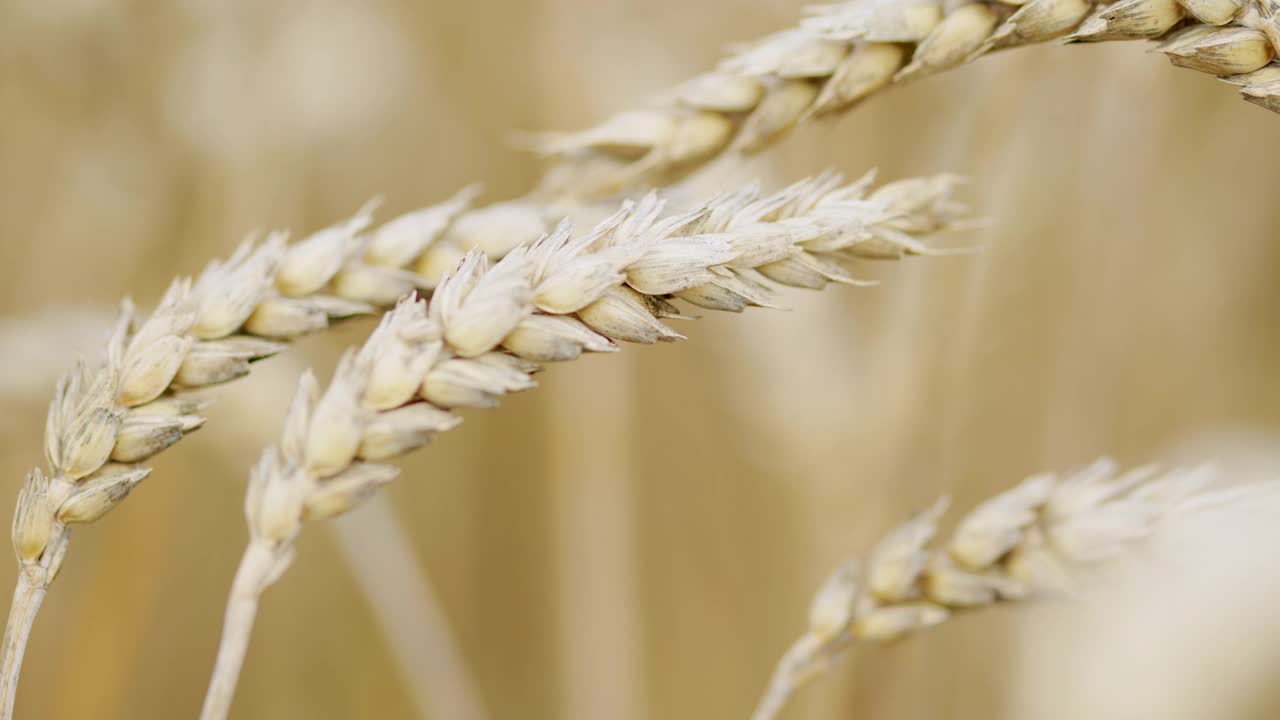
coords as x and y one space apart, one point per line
488 325
108 417
1028 541
844 53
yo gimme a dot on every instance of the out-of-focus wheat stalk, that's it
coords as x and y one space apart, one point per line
106 420
376 547
847 52
1024 541
486 327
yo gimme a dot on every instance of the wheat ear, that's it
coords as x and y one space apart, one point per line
104 421
1025 541
847 52
486 327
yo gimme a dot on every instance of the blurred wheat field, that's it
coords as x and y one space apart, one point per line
639 537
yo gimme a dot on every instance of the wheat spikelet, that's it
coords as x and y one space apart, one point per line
104 420
847 52
1025 541
486 327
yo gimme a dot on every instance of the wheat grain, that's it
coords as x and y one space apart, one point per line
487 326
847 52
105 420
1025 541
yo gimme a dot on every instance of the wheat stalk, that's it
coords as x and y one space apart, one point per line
104 421
376 548
847 52
1024 541
486 327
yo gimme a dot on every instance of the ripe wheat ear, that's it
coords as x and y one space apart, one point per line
105 421
847 52
1025 541
486 327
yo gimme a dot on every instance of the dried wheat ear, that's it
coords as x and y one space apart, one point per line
1025 542
847 52
487 327
106 419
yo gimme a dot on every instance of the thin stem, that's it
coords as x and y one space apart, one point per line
258 568
380 556
27 597
28 594
797 665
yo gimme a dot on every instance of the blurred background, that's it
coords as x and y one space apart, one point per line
638 537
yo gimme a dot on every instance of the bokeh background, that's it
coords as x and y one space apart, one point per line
639 537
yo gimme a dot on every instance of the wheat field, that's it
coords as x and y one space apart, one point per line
640 536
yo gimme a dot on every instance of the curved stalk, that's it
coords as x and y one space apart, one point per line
261 564
28 595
